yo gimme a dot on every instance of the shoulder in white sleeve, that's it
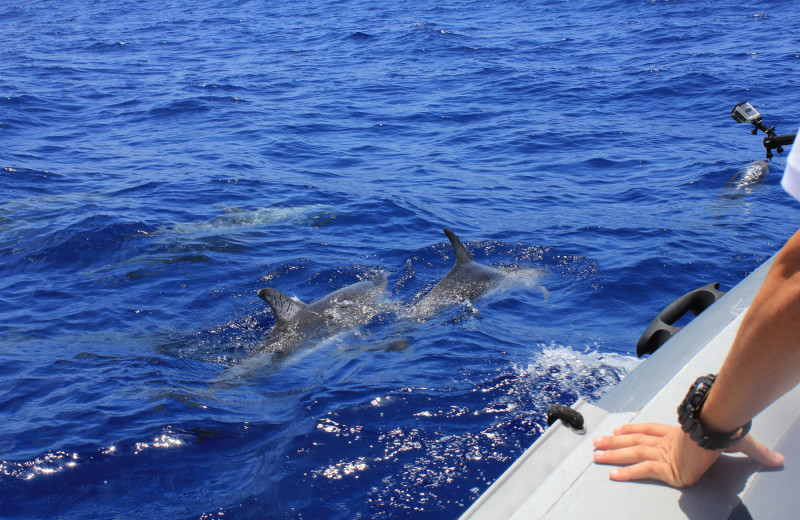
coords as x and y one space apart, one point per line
791 176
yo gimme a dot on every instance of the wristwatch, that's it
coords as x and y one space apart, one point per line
689 418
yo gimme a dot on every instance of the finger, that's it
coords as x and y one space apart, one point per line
758 452
616 442
627 456
656 429
645 470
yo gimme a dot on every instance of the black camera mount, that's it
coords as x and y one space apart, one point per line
744 112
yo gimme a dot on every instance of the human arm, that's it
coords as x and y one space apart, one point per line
762 365
764 360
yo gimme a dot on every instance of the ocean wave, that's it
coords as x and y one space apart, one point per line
79 244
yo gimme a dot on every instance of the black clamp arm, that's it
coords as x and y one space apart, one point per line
777 142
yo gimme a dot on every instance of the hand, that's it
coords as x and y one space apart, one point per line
666 453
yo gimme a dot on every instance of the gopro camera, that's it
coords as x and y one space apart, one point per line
744 112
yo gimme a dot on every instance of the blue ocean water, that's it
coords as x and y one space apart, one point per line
162 161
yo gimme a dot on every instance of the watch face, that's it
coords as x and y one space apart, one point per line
697 394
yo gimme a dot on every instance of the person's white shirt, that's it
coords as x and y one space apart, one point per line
791 175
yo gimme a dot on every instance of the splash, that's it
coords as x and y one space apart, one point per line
564 370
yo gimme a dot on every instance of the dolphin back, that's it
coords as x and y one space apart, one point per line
283 307
462 255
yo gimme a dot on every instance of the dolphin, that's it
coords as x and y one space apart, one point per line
466 281
297 323
750 175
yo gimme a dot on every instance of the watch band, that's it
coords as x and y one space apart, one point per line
689 418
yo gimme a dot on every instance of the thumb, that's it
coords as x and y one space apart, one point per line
758 452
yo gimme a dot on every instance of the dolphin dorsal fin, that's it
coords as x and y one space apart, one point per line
462 255
283 307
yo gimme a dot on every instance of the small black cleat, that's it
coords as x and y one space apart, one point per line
569 417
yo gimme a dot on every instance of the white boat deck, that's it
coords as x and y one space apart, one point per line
556 477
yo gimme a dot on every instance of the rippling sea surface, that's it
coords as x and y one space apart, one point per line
162 161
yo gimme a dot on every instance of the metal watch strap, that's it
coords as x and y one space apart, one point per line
689 418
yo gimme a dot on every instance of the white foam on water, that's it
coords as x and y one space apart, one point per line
588 373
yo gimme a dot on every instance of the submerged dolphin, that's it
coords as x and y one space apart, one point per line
297 322
467 280
750 175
